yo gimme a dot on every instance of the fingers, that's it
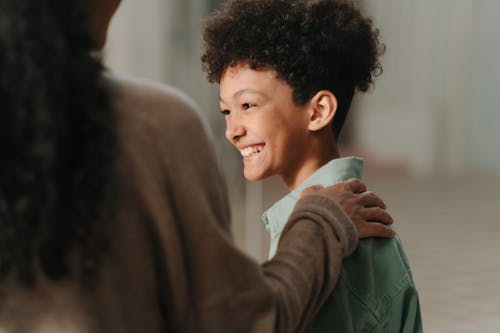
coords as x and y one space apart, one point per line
377 214
370 199
375 229
366 210
356 185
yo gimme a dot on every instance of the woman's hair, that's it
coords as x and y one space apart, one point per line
312 45
57 141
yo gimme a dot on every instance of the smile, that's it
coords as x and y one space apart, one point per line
252 150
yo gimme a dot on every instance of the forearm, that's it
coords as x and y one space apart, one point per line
307 264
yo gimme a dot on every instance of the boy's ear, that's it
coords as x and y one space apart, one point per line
323 107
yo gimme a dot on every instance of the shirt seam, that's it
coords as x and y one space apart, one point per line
378 312
405 282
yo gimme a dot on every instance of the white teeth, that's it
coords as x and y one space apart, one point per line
253 150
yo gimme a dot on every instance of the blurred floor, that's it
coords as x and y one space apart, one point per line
451 231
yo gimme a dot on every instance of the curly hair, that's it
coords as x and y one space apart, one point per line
57 141
312 45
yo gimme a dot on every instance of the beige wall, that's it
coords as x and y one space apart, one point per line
424 109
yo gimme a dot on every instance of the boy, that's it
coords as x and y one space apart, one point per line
288 71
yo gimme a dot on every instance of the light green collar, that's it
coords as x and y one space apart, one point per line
333 172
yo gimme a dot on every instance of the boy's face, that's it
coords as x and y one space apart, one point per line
263 122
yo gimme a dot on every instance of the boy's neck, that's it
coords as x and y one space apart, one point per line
318 157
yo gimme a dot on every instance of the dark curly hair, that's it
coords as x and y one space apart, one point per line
57 141
312 45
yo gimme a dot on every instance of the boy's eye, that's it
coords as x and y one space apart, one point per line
225 112
247 106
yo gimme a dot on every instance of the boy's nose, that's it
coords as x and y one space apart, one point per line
234 130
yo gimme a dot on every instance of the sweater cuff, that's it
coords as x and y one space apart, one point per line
329 210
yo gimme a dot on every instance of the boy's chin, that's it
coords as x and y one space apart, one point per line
254 176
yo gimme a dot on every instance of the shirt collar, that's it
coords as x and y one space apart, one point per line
333 172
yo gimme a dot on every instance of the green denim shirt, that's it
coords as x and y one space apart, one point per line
375 291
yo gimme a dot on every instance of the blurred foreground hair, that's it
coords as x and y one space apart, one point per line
57 142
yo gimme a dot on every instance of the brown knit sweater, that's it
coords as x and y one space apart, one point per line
172 265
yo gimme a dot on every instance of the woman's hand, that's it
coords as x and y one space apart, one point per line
366 210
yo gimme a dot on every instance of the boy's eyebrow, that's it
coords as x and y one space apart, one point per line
243 91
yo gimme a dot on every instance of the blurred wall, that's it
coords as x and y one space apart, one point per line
483 151
436 105
433 109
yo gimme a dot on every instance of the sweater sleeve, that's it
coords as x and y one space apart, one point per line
306 267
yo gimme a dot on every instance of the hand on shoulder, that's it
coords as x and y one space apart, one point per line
365 209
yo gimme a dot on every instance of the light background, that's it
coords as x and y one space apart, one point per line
428 133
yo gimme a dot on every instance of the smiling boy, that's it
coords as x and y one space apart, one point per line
288 71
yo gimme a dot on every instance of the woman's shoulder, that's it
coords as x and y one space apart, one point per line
149 100
155 114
